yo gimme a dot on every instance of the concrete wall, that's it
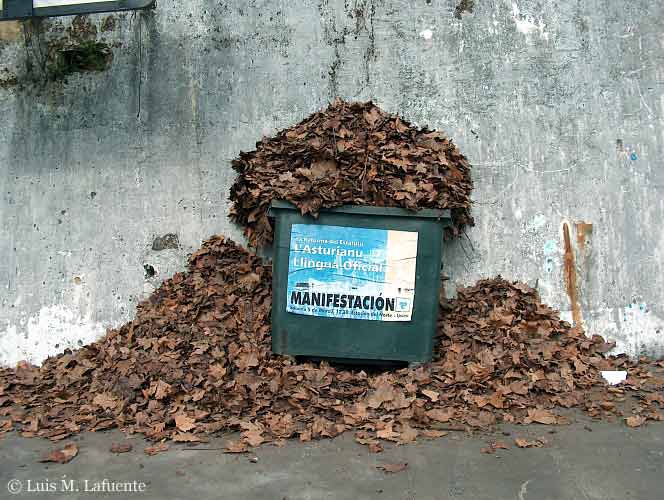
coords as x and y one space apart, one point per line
558 105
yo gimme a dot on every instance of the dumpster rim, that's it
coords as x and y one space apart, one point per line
425 213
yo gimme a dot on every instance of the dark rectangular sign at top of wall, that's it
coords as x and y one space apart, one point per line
23 9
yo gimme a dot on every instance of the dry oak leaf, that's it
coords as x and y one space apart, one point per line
105 400
305 435
439 415
408 434
635 421
382 394
235 447
392 468
493 446
253 437
162 390
541 416
322 169
496 400
184 422
216 371
188 437
246 360
524 443
281 425
386 433
431 433
158 448
375 447
432 395
62 455
121 447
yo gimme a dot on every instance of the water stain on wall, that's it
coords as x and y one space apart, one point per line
584 231
464 6
569 274
55 52
165 242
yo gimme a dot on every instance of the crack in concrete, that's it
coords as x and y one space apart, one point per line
524 490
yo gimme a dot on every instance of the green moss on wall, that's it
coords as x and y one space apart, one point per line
78 58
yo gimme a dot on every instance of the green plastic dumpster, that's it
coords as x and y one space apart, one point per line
356 283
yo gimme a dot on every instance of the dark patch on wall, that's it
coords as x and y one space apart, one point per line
464 6
149 271
150 61
87 56
7 79
370 53
334 68
165 242
82 29
79 51
110 23
362 14
54 52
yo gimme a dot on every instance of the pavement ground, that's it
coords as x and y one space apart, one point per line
586 460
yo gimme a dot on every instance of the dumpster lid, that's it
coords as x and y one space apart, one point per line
425 213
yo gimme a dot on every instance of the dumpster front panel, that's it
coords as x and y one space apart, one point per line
336 331
354 273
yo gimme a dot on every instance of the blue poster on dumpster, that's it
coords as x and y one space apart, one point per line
351 272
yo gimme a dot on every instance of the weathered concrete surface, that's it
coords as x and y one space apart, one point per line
557 104
611 462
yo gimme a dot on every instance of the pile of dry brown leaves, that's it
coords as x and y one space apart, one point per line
350 154
197 360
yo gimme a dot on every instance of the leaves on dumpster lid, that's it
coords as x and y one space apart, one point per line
350 154
196 360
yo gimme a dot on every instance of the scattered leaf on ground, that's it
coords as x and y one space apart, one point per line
392 468
635 421
61 455
235 447
158 448
121 447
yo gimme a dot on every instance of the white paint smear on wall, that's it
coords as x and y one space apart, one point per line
50 332
528 24
635 329
427 34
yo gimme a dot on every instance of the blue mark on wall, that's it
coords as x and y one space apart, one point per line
633 156
550 247
549 264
